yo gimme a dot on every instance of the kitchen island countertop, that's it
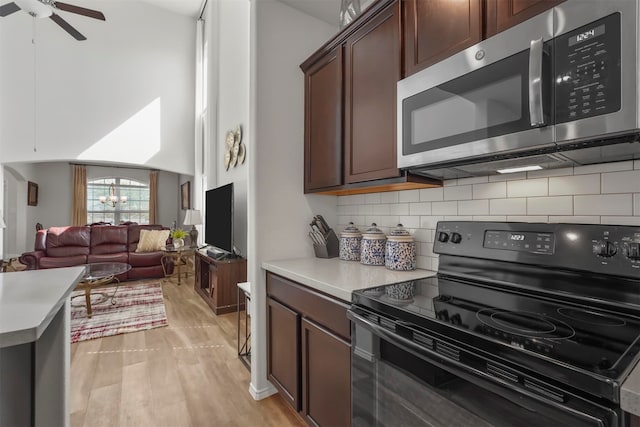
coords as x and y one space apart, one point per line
339 278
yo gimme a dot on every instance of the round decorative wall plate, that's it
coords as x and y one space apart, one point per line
227 158
241 154
234 156
239 134
230 138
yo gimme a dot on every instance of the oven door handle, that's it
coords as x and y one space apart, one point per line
536 112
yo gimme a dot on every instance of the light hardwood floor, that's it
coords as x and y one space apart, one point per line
186 374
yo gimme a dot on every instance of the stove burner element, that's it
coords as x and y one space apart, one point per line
590 317
526 324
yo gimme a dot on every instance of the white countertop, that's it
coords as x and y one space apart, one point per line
339 278
30 299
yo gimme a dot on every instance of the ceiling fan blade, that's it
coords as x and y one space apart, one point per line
8 9
79 10
67 27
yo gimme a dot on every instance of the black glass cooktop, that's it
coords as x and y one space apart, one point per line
576 336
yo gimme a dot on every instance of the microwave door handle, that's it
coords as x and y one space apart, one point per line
536 113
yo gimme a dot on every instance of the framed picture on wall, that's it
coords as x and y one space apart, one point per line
32 194
185 195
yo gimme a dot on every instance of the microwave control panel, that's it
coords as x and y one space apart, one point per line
587 74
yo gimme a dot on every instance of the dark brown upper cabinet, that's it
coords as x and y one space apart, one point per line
436 29
503 14
372 70
323 123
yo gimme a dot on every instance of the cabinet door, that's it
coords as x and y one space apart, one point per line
436 29
503 14
326 377
372 70
323 123
283 348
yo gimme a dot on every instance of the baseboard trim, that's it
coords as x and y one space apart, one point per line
263 393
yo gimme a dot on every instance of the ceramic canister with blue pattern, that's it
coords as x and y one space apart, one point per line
350 239
400 250
372 246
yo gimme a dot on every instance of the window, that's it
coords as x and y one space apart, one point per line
136 207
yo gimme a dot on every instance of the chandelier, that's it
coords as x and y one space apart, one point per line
112 199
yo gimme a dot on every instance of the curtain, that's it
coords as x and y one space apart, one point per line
79 208
153 197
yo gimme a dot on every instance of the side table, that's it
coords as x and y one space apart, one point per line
244 344
179 257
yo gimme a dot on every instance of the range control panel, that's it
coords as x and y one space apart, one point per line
607 249
588 70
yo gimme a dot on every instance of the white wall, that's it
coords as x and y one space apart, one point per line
279 213
125 95
597 194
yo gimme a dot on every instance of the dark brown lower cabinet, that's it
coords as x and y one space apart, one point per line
309 351
326 386
283 349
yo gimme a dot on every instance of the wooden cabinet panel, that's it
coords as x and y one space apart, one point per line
326 380
283 348
216 281
372 70
323 123
503 14
436 29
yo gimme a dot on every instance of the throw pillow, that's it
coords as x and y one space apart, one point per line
152 240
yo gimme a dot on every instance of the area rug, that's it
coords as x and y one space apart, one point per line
137 307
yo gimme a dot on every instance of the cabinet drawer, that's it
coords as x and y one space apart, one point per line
324 310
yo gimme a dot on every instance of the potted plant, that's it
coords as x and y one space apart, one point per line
178 236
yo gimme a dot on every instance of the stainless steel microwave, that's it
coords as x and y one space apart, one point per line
559 89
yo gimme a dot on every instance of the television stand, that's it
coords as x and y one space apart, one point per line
216 280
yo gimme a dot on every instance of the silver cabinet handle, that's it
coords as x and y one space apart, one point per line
536 113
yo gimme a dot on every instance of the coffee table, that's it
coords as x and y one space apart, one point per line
100 274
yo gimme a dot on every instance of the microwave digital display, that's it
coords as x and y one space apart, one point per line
588 70
587 35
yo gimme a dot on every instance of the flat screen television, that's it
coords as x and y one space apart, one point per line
218 225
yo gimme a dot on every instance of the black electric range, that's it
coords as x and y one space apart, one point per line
549 308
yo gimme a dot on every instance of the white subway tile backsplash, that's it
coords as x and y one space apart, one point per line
555 205
430 222
409 196
399 209
603 167
381 209
575 219
473 207
409 221
546 173
636 204
365 210
372 198
473 180
636 164
422 235
450 182
389 197
621 220
431 194
358 220
528 188
444 208
347 209
435 262
424 263
516 206
426 249
493 190
572 185
606 204
458 218
508 177
621 182
355 199
527 218
460 192
423 208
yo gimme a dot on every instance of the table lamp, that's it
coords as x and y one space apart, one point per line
193 218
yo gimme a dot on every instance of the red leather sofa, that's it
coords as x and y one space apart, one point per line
77 245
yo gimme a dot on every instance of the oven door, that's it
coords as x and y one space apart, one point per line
401 381
494 97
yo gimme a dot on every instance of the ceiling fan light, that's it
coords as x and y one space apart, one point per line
34 8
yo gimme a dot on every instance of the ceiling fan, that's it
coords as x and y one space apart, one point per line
45 9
